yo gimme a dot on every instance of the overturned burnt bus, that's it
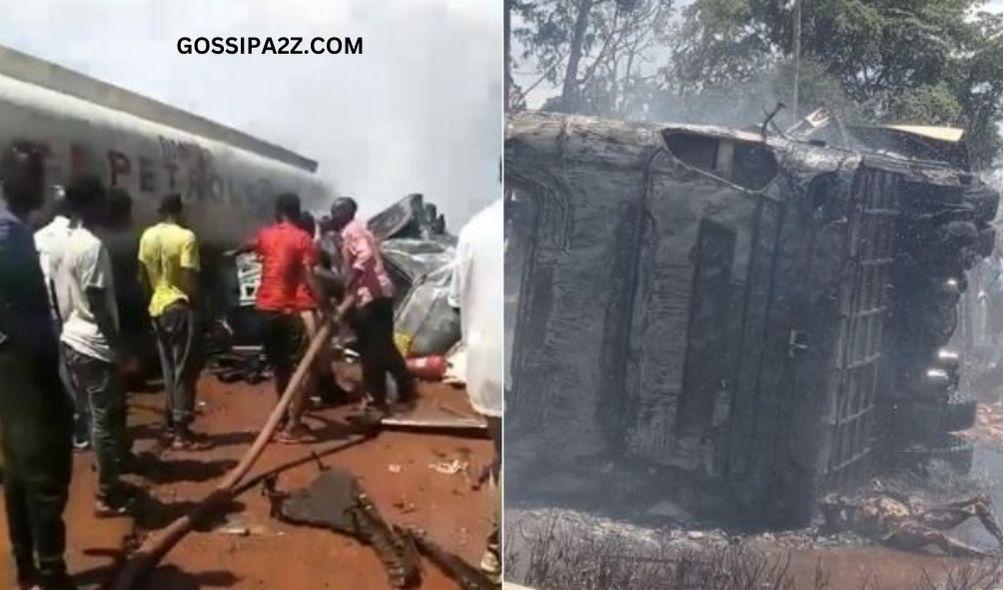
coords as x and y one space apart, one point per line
759 314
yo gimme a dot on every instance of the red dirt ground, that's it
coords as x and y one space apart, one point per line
393 468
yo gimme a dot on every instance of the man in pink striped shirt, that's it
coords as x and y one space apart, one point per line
368 306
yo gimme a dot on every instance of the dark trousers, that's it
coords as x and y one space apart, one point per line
179 362
284 338
373 324
35 440
106 400
495 431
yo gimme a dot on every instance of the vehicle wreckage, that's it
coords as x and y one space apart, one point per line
756 315
418 253
336 501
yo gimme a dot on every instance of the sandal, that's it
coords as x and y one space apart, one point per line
297 435
188 442
112 505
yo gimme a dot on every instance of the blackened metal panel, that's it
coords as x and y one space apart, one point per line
754 326
524 283
614 401
565 357
872 212
707 368
659 331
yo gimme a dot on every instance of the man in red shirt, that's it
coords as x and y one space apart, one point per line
288 289
368 306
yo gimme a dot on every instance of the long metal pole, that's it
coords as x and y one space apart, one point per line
797 60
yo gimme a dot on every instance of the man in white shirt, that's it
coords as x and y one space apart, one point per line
50 242
476 290
90 337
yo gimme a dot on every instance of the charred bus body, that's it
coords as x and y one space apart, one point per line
228 179
760 315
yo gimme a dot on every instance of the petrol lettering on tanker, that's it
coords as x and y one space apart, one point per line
184 167
146 177
118 166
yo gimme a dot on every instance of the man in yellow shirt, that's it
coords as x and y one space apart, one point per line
169 267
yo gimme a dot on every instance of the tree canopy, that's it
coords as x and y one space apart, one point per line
935 62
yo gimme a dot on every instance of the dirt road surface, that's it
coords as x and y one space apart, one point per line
248 549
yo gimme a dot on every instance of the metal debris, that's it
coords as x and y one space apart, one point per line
467 576
336 501
449 468
234 528
435 416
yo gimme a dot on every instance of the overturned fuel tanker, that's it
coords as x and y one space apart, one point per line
758 318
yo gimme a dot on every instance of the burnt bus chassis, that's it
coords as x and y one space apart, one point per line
856 263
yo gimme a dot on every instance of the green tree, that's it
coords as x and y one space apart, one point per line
903 61
593 50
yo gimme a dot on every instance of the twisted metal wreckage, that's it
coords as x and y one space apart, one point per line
418 253
758 313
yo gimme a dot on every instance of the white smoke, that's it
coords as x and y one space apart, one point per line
419 111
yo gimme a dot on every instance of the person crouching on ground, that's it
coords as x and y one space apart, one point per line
476 289
169 272
369 308
35 411
91 339
288 288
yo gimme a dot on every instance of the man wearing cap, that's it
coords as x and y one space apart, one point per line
169 271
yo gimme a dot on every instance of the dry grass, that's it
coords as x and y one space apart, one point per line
568 557
980 575
556 558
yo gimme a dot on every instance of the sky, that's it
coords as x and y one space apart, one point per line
419 111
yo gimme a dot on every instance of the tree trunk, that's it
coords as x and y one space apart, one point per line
570 87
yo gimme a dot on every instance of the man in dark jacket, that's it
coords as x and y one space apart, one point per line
36 417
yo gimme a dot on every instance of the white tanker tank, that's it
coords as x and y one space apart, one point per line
227 178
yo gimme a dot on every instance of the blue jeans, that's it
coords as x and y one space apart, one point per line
100 381
81 407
